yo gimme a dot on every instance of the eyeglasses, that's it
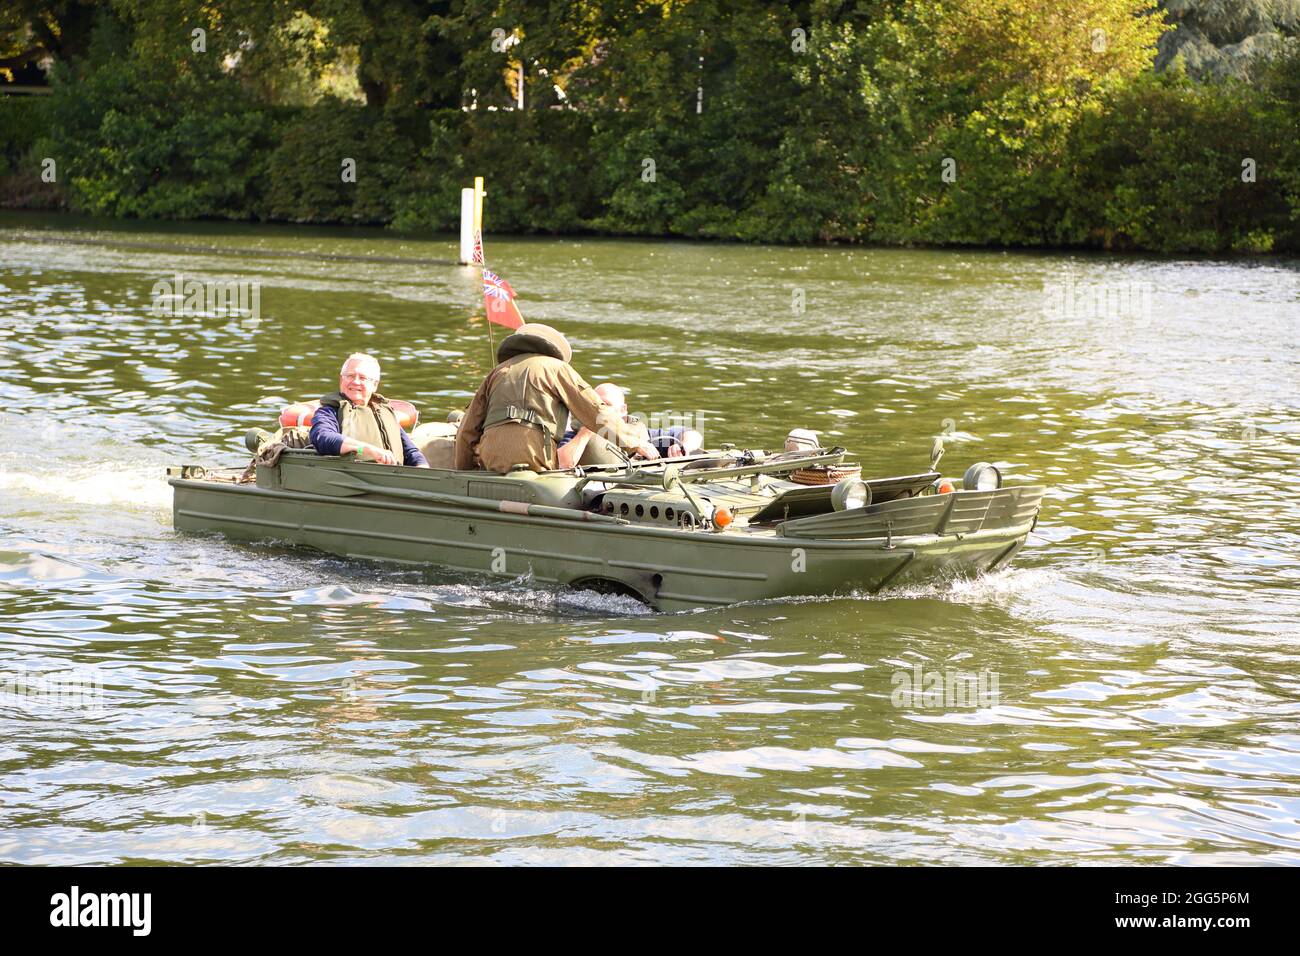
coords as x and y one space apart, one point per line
349 376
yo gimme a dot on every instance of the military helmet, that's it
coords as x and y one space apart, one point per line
534 338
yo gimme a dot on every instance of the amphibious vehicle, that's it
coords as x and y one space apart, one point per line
677 533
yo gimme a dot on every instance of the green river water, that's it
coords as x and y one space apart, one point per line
257 704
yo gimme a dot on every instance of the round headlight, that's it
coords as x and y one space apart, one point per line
850 493
982 476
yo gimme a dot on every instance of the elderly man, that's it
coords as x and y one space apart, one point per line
358 419
583 446
519 413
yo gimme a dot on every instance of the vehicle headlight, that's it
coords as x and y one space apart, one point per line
850 493
982 476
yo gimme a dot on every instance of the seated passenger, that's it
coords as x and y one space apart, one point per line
518 414
677 440
582 446
358 419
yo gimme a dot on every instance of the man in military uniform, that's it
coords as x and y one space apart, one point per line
519 414
357 418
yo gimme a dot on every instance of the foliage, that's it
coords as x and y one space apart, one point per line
23 120
816 121
131 140
1161 167
306 170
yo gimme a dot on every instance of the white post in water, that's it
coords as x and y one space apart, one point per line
467 203
479 193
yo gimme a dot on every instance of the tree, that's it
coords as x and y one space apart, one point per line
971 103
31 30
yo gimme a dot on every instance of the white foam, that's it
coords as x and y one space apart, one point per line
993 587
999 584
131 486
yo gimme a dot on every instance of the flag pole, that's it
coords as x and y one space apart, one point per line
478 236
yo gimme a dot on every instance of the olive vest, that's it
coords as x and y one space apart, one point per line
376 424
514 397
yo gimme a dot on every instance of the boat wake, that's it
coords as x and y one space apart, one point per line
139 487
994 588
986 588
377 585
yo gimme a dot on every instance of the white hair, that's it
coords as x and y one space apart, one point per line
611 387
360 357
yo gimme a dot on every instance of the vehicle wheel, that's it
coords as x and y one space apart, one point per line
610 586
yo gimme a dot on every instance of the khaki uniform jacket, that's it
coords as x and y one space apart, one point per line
553 390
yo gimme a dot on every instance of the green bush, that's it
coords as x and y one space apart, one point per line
844 141
536 163
23 121
305 171
438 175
132 142
1160 166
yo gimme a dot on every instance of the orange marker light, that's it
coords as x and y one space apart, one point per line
721 518
945 487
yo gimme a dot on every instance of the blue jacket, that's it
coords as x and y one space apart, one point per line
661 438
328 440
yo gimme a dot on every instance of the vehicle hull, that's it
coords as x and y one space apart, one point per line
669 568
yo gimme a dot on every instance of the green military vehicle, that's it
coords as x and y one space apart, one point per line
677 533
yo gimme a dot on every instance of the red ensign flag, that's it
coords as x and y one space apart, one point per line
499 300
